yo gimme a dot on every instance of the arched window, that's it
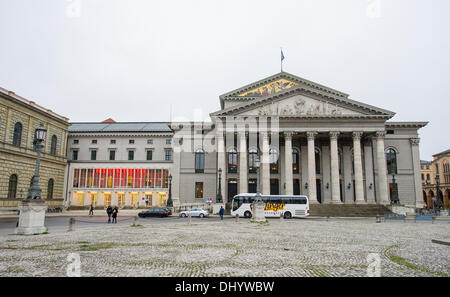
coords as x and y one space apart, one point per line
17 136
391 159
232 160
317 155
199 161
51 183
12 187
253 158
295 161
273 159
53 145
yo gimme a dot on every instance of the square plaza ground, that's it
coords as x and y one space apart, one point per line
300 247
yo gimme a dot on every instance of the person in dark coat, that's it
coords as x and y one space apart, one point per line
91 210
114 215
221 211
109 211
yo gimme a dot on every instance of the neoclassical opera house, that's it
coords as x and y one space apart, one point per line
314 140
310 140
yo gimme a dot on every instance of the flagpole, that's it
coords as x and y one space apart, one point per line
281 58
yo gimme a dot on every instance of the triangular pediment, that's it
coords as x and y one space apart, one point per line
274 84
304 101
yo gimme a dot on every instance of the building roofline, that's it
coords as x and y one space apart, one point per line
31 104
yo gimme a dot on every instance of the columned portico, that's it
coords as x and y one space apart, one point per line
288 163
312 191
359 187
323 130
335 185
382 171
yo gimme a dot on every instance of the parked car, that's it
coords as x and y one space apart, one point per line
154 212
195 212
169 210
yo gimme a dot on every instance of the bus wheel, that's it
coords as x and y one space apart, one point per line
247 214
287 215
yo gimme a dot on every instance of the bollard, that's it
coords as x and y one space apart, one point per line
189 219
281 217
135 220
237 218
378 219
328 218
71 224
432 219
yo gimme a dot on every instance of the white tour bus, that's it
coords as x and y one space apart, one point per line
275 205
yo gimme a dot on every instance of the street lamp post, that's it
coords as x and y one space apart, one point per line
395 199
169 200
35 192
219 190
438 200
33 207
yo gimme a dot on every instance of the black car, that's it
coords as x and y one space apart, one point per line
154 212
169 210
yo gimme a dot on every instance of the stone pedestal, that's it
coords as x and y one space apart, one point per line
32 217
258 211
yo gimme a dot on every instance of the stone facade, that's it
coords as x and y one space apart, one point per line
439 166
131 168
20 158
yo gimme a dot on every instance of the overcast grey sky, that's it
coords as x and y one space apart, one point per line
132 59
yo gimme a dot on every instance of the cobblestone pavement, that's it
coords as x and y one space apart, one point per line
280 248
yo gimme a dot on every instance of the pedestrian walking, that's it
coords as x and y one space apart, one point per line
114 215
109 211
91 210
221 211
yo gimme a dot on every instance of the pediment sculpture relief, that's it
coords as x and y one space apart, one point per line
301 107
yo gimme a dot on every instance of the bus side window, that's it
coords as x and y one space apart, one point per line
302 201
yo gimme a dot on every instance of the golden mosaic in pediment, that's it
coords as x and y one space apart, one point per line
270 88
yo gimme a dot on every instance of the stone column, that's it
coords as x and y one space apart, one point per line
243 169
312 194
265 165
416 167
288 176
359 186
221 163
383 197
335 185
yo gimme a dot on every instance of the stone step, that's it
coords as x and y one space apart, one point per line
347 210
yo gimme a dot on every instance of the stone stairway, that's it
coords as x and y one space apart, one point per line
348 210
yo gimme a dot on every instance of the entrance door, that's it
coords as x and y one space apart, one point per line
274 187
252 185
232 190
319 190
296 187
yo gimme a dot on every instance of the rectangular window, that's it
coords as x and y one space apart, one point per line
75 141
75 155
149 141
94 141
93 155
198 190
131 141
149 155
169 141
168 155
130 155
113 141
112 155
